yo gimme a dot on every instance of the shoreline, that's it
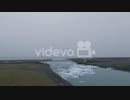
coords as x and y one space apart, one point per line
52 75
122 64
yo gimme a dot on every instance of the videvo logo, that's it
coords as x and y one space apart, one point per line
84 50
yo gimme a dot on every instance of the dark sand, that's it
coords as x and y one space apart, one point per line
60 81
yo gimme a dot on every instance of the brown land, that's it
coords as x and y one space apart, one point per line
29 74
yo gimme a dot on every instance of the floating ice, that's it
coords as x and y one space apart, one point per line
109 68
82 81
76 71
71 70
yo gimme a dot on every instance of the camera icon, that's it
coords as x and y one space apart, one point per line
84 49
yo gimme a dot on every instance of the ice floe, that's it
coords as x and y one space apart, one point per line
76 71
72 70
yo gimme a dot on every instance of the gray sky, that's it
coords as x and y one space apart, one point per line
22 32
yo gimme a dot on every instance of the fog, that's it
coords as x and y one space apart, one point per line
22 32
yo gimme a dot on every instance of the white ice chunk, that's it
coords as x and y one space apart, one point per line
76 71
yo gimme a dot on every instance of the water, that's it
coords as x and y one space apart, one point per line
88 75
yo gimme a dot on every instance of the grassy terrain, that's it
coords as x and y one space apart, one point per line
17 75
21 65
